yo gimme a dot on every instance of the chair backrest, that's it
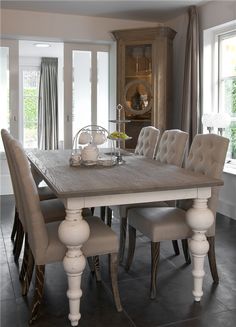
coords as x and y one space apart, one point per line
6 138
35 224
207 156
172 147
147 142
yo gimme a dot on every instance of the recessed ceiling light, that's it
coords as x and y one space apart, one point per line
42 45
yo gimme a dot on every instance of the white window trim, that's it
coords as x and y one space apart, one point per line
30 66
210 62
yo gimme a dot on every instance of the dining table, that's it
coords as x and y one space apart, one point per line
136 180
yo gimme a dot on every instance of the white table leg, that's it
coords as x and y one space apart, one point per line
73 232
199 218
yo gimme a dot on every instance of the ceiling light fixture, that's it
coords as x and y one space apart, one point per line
42 45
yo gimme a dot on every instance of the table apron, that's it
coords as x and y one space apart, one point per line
141 197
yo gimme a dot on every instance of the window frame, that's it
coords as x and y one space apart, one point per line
212 79
35 66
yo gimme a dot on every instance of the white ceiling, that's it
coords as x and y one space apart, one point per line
155 10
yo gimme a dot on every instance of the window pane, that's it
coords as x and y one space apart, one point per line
30 107
81 111
228 56
4 90
102 89
227 87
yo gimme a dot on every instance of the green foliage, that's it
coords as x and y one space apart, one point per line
31 107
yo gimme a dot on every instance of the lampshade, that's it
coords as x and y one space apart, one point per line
221 120
207 120
217 120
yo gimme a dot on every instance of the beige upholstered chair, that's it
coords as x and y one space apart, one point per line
171 149
147 142
206 156
44 244
52 209
45 193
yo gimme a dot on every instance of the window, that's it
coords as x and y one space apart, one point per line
219 82
30 106
4 90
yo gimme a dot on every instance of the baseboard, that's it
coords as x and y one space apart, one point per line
227 209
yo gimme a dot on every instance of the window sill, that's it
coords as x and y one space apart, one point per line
230 168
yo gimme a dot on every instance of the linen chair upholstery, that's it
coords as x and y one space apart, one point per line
171 149
207 156
45 193
43 238
147 142
53 210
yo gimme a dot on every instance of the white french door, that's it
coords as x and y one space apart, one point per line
86 88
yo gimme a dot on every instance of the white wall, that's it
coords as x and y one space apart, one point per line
58 27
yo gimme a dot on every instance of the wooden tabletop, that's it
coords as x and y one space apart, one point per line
136 175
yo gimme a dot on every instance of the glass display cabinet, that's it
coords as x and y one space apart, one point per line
144 78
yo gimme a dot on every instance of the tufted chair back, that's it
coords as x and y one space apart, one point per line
172 147
207 156
147 142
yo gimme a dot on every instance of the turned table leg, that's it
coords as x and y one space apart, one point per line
73 232
199 218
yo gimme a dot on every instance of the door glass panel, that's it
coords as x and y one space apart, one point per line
81 89
30 107
102 89
4 90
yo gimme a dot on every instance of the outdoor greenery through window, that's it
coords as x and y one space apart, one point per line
219 84
227 84
30 107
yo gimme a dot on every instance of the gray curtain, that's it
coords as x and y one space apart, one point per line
48 105
190 108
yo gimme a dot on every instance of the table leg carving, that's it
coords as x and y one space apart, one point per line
199 218
73 232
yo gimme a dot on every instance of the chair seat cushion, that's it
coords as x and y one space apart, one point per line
158 224
102 240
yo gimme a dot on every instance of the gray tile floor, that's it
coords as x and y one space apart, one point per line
174 305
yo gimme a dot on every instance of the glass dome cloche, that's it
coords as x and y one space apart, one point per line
92 146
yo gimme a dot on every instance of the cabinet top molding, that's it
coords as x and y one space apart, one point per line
148 33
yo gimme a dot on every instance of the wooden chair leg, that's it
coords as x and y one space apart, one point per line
18 241
175 246
123 228
109 216
15 225
97 268
155 256
25 260
114 281
27 276
131 248
212 259
38 293
103 213
186 251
